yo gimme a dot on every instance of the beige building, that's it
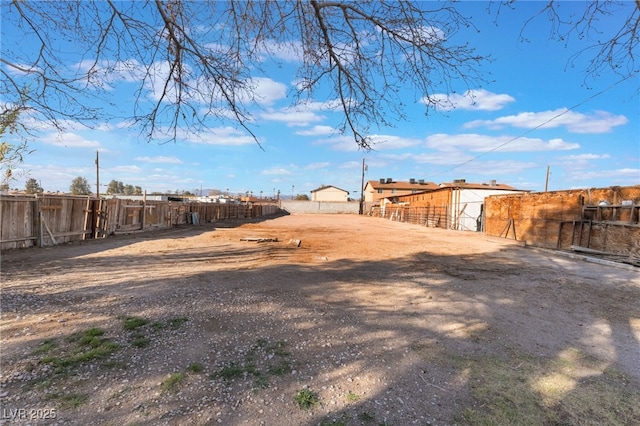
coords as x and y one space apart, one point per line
329 193
376 190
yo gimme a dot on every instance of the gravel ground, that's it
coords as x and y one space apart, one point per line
368 321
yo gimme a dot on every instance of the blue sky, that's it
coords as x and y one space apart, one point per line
536 112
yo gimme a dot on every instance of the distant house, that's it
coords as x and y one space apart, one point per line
376 190
459 204
329 193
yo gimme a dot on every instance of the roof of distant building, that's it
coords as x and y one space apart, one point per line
420 185
328 186
494 185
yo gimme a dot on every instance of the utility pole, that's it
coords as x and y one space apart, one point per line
361 210
546 182
97 175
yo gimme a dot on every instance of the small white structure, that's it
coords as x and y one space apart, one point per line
329 193
462 201
218 199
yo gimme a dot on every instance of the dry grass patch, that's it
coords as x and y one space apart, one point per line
570 389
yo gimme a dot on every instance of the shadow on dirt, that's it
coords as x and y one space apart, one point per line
424 339
80 248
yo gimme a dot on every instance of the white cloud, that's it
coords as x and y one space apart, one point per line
317 131
266 90
610 174
479 99
440 158
293 117
425 34
22 69
33 123
596 122
219 136
384 142
304 114
582 174
262 90
317 166
339 143
484 143
104 74
68 140
498 167
378 142
289 52
124 169
350 165
276 171
160 159
584 157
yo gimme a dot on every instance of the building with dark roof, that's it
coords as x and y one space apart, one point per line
387 188
460 204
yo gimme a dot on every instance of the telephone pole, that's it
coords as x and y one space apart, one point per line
546 181
361 210
97 175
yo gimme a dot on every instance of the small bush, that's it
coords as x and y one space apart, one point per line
177 322
231 371
352 397
131 323
44 347
172 381
140 342
68 400
306 399
281 368
195 367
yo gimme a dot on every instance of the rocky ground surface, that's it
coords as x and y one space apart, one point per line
344 319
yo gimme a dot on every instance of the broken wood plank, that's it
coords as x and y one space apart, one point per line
592 251
53 239
617 257
260 239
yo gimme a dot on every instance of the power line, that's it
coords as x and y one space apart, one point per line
584 101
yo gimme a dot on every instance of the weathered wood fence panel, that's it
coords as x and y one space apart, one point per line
62 219
605 220
431 216
50 220
18 222
601 219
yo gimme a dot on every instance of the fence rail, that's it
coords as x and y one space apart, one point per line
431 216
51 220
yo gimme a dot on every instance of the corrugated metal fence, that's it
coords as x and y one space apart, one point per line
51 220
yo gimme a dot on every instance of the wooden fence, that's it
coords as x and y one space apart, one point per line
431 216
605 220
599 221
50 220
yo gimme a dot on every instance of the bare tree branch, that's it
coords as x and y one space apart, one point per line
609 48
193 62
191 65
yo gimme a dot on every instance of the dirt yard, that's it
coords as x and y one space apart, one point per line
366 322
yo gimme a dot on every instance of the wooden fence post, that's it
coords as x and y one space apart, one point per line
37 227
86 218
